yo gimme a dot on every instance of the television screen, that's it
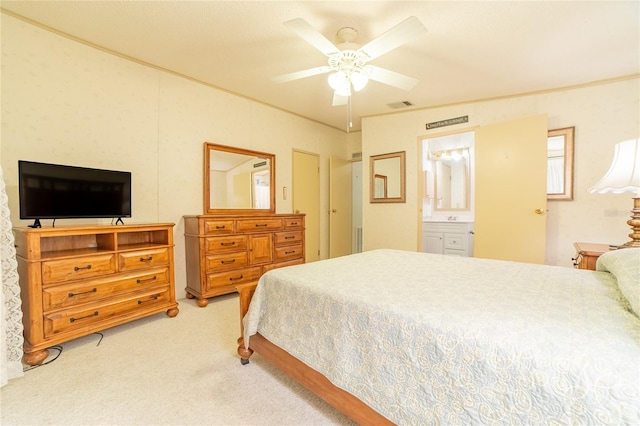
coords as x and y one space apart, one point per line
54 191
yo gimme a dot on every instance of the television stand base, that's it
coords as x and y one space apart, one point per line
119 221
36 224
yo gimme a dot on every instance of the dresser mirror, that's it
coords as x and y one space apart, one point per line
560 164
451 179
238 180
387 173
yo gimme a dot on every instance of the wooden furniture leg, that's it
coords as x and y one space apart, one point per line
246 293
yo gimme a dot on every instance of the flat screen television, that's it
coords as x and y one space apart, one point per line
55 191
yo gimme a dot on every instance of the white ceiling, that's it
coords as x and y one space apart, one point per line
472 50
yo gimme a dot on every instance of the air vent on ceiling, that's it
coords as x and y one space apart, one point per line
398 105
356 155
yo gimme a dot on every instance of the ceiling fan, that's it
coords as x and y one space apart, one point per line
349 62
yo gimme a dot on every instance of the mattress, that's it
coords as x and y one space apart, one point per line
425 338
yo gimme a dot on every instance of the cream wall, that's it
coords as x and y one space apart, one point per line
68 103
602 114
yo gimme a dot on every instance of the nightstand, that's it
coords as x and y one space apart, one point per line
587 254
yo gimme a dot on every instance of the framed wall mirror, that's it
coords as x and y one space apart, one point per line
387 172
238 180
560 164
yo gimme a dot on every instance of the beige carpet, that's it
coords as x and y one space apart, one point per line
162 371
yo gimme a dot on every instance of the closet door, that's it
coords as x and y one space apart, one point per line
511 190
339 207
306 199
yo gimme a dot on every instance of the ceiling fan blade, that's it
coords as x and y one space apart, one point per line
389 77
301 74
394 37
339 99
312 36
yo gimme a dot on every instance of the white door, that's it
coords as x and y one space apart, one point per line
511 190
339 207
306 199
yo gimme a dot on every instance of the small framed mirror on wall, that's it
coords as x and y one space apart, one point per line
238 180
560 164
387 183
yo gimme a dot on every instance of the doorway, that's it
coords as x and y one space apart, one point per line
507 189
306 199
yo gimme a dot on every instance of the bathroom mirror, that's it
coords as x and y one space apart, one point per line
387 173
451 179
560 164
238 180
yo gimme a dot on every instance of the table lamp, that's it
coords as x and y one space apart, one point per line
624 176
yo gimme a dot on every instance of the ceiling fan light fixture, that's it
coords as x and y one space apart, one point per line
340 83
359 81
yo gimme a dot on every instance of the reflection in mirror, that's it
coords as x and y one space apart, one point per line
238 180
560 164
451 179
387 173
380 186
447 164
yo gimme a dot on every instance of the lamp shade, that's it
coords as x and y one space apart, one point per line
340 83
624 172
358 80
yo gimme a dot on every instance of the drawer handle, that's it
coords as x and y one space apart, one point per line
289 252
236 278
153 299
221 226
260 224
93 290
77 268
289 238
138 281
226 262
146 259
95 314
228 244
293 223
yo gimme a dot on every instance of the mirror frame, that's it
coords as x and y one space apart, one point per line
208 209
372 175
568 133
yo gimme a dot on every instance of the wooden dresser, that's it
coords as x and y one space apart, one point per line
78 280
223 251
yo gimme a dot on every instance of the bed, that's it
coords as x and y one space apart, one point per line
389 336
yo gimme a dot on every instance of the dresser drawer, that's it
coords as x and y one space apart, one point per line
455 241
233 277
225 244
55 271
258 225
66 295
293 223
288 252
143 259
291 237
222 226
73 319
224 262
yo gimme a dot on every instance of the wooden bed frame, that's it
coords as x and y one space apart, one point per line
311 379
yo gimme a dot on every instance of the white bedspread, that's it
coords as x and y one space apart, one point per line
426 338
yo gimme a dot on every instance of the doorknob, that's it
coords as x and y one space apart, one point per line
539 211
334 211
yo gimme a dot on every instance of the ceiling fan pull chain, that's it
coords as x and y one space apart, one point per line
349 121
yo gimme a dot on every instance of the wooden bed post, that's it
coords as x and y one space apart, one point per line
246 293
